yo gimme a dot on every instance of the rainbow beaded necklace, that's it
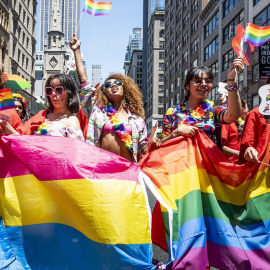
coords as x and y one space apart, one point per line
119 127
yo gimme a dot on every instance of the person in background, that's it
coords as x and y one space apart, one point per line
197 112
231 135
21 105
60 117
256 135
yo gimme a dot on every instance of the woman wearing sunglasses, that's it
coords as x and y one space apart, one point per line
60 117
115 112
197 112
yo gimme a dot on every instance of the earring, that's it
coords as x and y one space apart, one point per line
124 102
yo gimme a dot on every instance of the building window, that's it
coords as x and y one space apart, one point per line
161 55
214 69
230 30
160 77
178 32
228 59
185 57
194 6
160 111
195 63
185 38
161 44
40 57
161 67
255 2
160 88
171 87
255 73
263 19
208 29
177 66
194 45
228 5
211 49
185 4
161 33
160 100
37 57
185 21
178 98
255 101
214 94
194 26
178 49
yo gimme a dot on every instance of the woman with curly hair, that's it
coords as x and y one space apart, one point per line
115 112
21 105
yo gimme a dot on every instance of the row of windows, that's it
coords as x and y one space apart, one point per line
263 19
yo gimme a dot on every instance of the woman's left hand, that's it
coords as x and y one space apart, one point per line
156 141
237 64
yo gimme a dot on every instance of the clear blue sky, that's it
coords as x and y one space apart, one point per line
105 38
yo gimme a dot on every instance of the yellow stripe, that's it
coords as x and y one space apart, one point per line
257 32
99 6
194 179
106 211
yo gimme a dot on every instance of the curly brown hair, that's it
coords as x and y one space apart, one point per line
132 94
2 80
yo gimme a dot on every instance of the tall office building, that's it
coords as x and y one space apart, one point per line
135 43
70 12
96 74
149 6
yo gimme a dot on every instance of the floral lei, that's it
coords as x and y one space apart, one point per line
241 122
43 129
119 127
198 113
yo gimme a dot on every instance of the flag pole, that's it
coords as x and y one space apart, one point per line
78 24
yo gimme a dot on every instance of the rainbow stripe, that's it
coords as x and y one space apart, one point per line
70 211
222 214
256 35
97 8
6 99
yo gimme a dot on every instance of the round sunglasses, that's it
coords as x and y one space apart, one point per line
58 90
110 84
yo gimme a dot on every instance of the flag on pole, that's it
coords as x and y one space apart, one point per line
256 35
6 99
97 8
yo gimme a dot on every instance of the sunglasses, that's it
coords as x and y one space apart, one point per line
200 81
110 84
58 90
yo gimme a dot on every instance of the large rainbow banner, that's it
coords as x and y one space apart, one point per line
6 99
221 213
67 205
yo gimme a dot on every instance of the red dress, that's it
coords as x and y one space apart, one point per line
231 138
256 134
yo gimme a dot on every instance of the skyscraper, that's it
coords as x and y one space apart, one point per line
70 12
96 74
135 43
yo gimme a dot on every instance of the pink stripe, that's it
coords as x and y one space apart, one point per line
57 158
222 257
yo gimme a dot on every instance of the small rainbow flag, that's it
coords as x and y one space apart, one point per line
6 99
256 35
97 8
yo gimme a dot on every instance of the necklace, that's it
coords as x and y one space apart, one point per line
241 122
119 127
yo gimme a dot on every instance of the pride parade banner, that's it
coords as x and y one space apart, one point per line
67 205
221 213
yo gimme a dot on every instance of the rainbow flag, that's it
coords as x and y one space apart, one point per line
61 207
6 99
222 210
256 35
97 8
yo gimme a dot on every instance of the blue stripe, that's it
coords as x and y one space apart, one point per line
56 246
7 104
195 233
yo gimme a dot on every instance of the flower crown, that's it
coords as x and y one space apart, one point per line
18 97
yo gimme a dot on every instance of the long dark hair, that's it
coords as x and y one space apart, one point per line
196 73
68 84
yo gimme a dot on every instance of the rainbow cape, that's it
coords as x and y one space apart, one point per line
6 99
97 8
221 213
256 35
61 207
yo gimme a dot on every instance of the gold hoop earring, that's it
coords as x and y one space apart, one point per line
124 102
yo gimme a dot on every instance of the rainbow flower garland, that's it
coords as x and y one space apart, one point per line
119 127
43 129
241 122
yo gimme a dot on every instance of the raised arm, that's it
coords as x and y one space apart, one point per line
75 45
234 101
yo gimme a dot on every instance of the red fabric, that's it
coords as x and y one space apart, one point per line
15 118
158 229
33 123
256 133
83 122
231 138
